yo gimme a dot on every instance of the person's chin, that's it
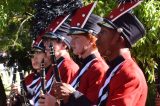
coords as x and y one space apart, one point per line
36 68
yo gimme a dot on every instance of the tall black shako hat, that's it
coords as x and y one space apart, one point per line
125 22
52 27
37 48
61 34
58 29
83 21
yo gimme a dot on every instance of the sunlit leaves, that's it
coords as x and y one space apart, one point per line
3 18
147 49
14 29
12 16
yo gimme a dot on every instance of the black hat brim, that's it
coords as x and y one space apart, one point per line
49 35
77 31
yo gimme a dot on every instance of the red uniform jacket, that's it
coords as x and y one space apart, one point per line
68 69
128 86
91 80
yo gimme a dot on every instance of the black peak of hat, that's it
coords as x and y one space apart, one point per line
132 28
91 23
90 26
61 31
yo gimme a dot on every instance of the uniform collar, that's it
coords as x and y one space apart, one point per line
88 59
46 69
59 60
116 61
112 64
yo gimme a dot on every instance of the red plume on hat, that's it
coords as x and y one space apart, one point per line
81 15
83 21
123 7
125 22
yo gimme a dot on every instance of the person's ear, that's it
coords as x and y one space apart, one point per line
115 38
121 39
64 45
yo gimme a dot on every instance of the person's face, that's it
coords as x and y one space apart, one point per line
46 43
37 59
58 46
104 40
78 44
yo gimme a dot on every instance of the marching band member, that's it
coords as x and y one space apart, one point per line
124 83
90 75
61 44
32 81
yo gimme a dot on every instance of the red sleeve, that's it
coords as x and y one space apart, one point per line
128 88
68 70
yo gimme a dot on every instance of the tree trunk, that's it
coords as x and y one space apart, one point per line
2 94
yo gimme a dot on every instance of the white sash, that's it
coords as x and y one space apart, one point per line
60 63
74 84
106 83
50 81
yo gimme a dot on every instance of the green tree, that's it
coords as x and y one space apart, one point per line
147 50
14 29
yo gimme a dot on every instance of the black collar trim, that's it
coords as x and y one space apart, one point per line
116 61
59 60
113 64
88 59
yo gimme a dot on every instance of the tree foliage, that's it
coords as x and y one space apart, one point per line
14 29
